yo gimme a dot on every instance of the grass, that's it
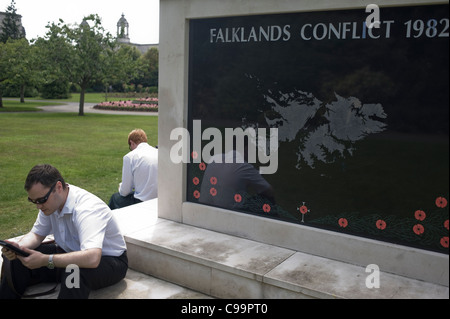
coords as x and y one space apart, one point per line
87 150
16 106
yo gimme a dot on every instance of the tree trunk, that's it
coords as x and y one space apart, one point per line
81 109
22 93
106 93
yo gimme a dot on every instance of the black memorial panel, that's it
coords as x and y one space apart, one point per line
361 117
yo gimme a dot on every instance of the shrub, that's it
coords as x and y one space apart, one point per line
55 90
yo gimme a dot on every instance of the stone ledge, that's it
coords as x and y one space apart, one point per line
401 260
225 266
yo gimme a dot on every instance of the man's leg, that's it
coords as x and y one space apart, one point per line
119 201
109 272
23 277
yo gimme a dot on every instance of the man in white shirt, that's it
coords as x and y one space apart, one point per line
139 173
86 235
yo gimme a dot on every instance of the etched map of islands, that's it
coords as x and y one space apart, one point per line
325 131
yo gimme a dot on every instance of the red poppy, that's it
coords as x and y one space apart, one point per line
213 191
197 194
237 198
202 166
213 180
441 202
444 241
381 224
195 180
418 229
446 224
343 222
303 209
194 154
266 208
420 215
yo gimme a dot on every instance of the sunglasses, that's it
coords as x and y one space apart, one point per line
42 200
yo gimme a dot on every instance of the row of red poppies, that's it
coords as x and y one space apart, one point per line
420 215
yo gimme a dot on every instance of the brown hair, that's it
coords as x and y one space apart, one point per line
45 174
137 136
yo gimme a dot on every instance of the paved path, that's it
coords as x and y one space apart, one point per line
73 107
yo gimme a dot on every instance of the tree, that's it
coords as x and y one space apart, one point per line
11 27
122 66
78 53
54 52
149 71
3 69
16 65
21 65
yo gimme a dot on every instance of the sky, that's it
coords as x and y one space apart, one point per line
142 15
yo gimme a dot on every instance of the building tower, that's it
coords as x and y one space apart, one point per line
122 30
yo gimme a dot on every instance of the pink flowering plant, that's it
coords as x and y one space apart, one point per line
148 104
148 99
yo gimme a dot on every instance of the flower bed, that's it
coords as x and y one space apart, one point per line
153 100
141 105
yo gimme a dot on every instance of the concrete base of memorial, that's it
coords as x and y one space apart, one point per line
224 266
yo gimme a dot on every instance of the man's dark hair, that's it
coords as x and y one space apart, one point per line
45 174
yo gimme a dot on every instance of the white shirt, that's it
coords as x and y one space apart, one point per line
85 222
140 173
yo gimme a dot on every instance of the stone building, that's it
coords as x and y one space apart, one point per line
123 36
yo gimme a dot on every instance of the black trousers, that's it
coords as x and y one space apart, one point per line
109 272
119 201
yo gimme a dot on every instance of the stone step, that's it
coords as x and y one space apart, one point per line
136 285
224 266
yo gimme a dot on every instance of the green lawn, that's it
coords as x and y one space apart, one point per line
16 106
87 150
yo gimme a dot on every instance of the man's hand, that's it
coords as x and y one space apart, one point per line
35 260
9 254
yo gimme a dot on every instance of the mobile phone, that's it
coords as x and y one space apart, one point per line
14 248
